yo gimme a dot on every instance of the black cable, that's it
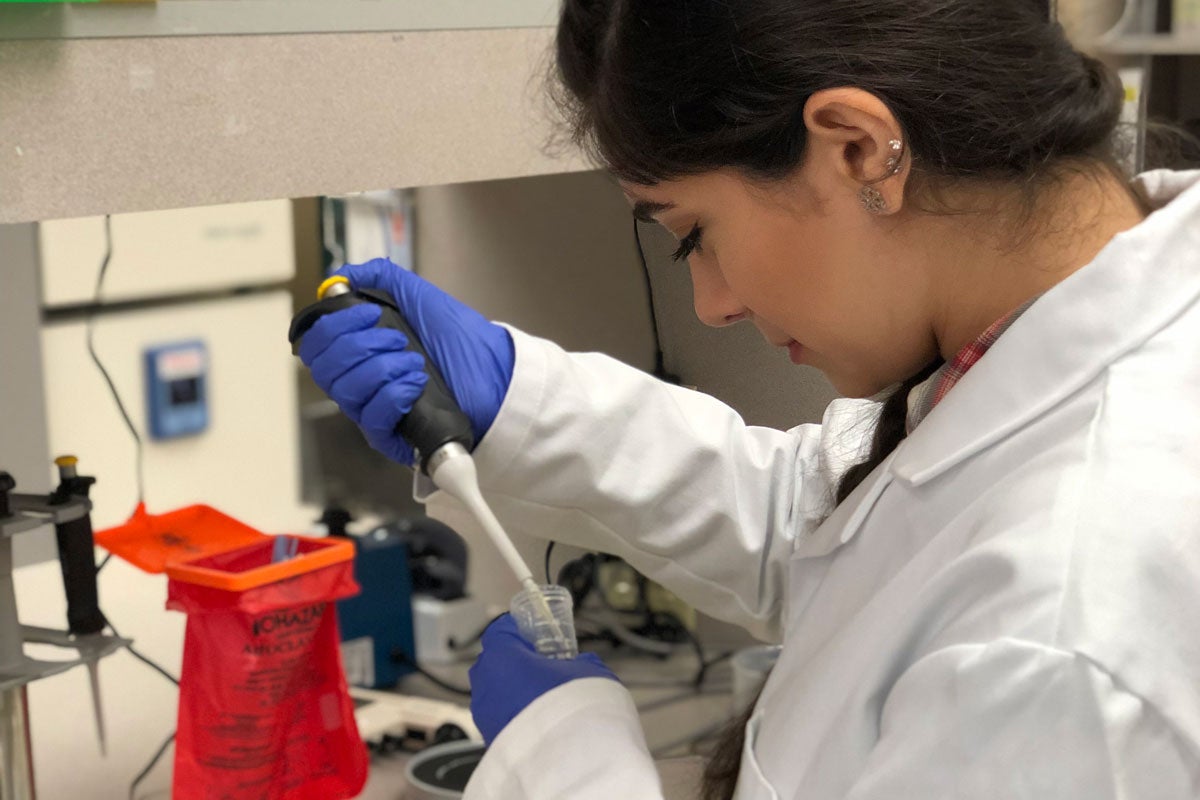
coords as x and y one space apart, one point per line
660 368
141 776
454 644
717 659
143 658
90 328
702 669
549 550
89 334
158 755
676 623
402 657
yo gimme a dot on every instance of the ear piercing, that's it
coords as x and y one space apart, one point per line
872 201
893 162
870 197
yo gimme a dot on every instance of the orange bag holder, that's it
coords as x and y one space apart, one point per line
239 733
174 541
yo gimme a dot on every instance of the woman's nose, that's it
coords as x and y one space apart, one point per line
715 304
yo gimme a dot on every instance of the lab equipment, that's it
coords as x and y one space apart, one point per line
437 556
378 621
387 720
177 389
68 509
510 674
263 704
447 630
440 433
77 559
443 771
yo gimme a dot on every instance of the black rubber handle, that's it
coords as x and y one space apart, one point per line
435 420
77 557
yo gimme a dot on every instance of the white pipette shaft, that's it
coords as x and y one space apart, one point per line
453 470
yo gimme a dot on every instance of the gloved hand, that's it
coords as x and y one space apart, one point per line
510 674
375 381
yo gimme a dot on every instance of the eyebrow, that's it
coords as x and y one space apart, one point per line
645 210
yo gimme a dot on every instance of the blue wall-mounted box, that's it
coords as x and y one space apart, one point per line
177 389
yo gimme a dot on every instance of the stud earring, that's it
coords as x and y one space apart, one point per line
872 201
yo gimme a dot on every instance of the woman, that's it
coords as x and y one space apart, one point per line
985 586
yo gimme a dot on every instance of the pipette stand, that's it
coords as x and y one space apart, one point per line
22 513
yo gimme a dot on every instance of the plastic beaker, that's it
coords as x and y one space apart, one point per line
553 638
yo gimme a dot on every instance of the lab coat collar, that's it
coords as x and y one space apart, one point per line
1139 283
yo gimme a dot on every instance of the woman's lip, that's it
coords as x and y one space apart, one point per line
795 352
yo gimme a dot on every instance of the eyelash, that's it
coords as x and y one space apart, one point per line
688 244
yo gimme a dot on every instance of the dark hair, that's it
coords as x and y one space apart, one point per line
657 89
987 90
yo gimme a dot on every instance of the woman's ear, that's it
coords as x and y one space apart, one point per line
857 144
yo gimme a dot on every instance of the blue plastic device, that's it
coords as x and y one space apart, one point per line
177 389
377 624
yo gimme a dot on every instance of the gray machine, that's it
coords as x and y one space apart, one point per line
68 509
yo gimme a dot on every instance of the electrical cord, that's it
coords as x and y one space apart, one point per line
549 550
141 776
89 335
660 368
608 621
454 644
90 330
144 659
702 664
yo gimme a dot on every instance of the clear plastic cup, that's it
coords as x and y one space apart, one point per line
552 638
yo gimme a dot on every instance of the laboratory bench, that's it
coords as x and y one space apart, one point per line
673 714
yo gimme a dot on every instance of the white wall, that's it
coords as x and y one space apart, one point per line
245 463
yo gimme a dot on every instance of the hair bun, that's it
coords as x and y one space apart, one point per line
1097 106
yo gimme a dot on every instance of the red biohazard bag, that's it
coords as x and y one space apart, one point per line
264 711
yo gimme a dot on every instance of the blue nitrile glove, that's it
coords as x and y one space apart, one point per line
375 381
510 674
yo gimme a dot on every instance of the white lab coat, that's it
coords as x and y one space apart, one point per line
1008 607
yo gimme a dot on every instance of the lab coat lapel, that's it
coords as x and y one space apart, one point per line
848 517
1140 282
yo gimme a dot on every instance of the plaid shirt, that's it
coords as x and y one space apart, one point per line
927 394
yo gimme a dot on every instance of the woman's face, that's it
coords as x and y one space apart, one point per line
804 262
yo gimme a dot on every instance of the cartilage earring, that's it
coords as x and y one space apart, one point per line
872 201
893 162
870 197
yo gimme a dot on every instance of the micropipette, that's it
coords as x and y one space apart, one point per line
438 431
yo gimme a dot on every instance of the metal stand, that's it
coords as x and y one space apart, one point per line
18 514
